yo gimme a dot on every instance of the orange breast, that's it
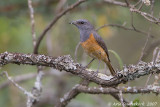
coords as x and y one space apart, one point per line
93 49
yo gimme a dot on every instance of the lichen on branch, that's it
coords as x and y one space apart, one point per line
67 64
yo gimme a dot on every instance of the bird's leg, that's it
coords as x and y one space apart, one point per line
89 63
98 66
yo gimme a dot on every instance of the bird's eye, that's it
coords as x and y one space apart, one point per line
82 22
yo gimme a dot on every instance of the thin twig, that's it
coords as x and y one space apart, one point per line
137 3
148 79
140 7
155 54
25 77
132 24
116 3
150 48
36 90
32 22
14 83
29 95
145 45
147 16
19 78
121 98
57 17
149 32
123 27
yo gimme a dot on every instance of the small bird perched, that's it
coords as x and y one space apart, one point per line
92 43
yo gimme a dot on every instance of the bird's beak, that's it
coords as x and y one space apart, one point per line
73 22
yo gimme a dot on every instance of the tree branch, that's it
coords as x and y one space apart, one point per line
74 92
71 94
123 27
147 16
66 63
116 3
125 90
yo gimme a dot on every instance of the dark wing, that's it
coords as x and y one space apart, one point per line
101 43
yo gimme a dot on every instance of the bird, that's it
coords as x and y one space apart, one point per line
92 43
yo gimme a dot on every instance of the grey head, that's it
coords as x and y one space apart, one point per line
83 24
85 28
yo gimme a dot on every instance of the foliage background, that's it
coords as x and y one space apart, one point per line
15 36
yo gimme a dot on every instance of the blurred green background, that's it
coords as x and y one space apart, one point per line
15 36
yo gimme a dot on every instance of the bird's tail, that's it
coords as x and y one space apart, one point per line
110 68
